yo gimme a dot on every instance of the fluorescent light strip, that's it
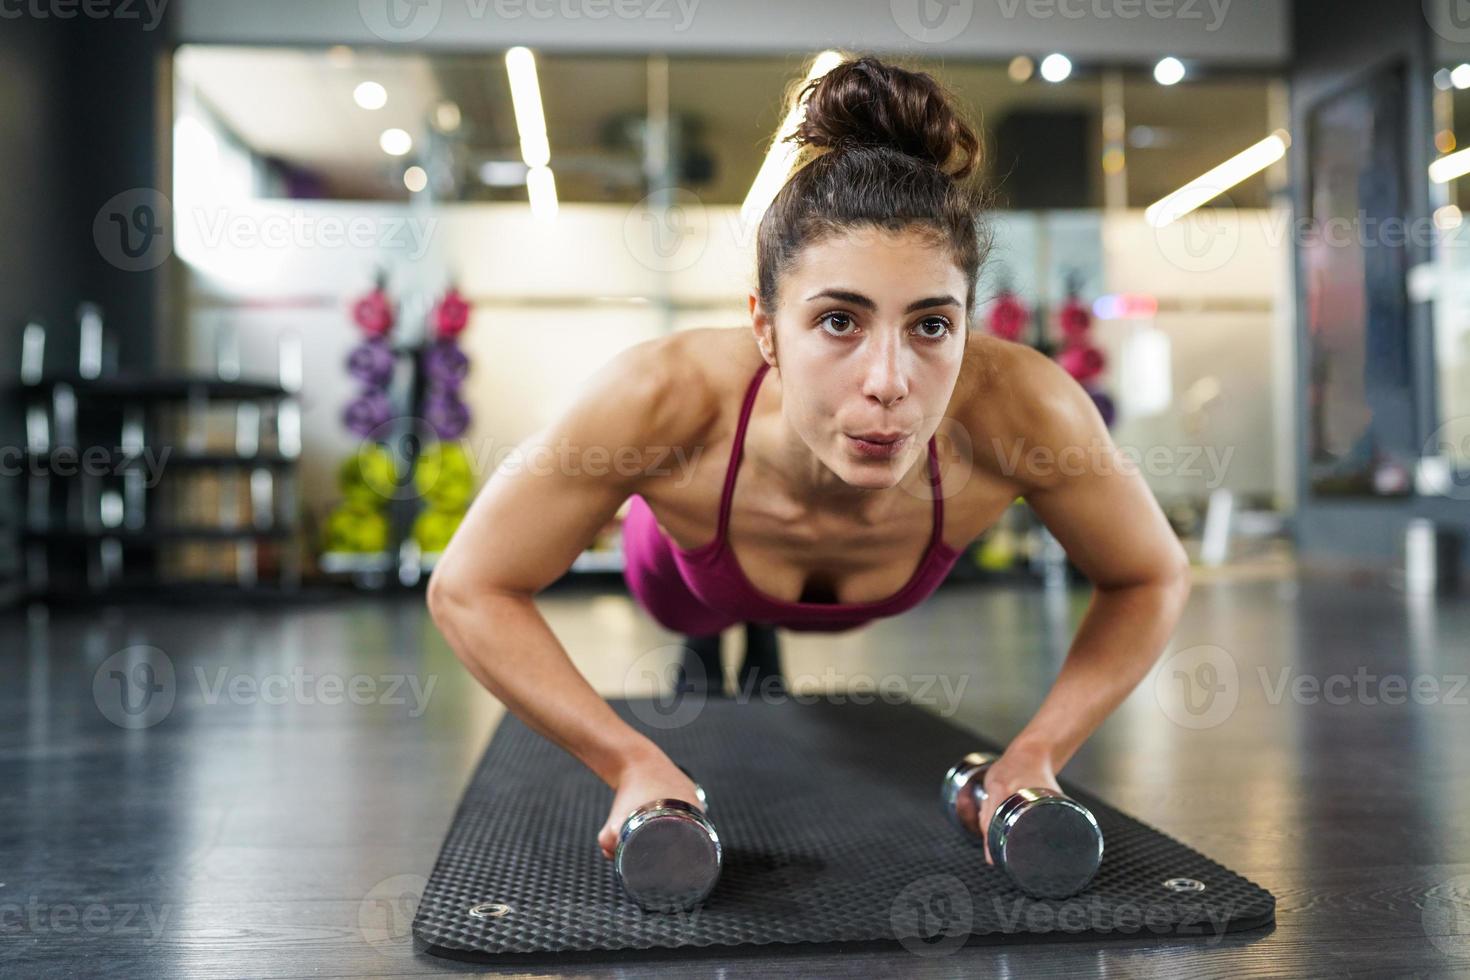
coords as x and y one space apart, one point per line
1446 169
781 155
1211 185
541 186
525 94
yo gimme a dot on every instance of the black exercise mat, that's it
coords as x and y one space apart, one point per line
832 830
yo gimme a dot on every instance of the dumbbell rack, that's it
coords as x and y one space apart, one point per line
404 563
91 435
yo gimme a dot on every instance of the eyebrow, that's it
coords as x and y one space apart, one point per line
858 299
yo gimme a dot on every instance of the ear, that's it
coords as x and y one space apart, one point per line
764 328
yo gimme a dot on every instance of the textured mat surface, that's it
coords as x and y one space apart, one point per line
833 833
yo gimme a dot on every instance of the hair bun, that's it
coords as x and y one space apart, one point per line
867 102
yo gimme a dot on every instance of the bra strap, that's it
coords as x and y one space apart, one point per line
737 449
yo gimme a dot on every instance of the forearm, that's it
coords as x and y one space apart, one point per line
1118 641
506 644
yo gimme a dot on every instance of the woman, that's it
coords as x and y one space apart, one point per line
817 498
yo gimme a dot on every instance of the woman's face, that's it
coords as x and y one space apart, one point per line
868 338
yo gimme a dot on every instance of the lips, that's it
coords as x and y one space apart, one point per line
878 445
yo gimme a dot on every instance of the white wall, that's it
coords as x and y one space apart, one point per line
556 301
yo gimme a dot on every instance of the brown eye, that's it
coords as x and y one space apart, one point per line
843 320
935 321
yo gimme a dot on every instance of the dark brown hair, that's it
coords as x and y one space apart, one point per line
881 147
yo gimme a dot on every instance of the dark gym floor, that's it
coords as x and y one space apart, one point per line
273 824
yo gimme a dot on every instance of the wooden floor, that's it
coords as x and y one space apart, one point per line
274 824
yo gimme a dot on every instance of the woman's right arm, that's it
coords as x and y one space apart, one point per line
531 520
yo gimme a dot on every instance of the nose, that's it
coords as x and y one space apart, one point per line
883 378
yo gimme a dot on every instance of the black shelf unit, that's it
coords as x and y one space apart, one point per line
105 457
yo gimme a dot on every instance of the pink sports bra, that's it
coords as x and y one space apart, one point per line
715 578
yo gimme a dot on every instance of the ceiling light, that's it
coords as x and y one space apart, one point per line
395 142
525 95
1212 184
1169 71
1056 67
370 95
781 155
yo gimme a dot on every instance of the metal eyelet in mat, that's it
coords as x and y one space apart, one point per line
1184 885
490 910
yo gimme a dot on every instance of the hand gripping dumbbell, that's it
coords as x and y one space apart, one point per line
1049 844
668 854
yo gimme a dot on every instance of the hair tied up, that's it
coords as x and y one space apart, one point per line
868 103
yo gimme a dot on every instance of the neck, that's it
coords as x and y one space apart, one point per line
777 451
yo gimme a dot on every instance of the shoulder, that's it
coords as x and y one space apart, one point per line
676 387
1020 406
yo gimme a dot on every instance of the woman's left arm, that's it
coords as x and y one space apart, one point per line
1096 503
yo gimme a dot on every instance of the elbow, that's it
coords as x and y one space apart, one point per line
1181 581
441 595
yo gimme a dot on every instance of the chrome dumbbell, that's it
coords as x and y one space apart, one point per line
668 855
1046 842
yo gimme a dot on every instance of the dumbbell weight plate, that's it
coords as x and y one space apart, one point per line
1050 845
668 855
